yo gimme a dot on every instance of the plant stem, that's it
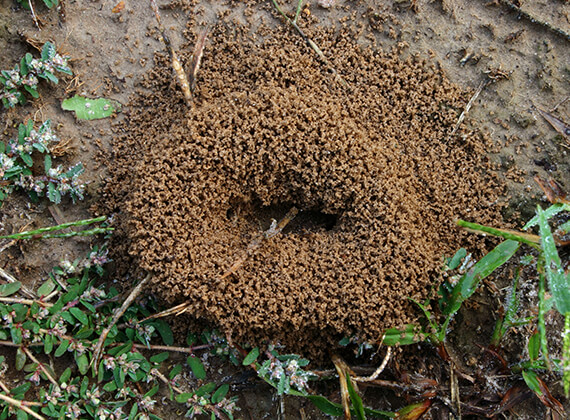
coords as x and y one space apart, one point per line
41 366
39 232
21 405
26 301
99 347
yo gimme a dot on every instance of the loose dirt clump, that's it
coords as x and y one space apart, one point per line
373 168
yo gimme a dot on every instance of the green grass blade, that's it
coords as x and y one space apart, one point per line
566 355
558 281
355 400
40 232
549 212
468 283
501 233
405 336
542 310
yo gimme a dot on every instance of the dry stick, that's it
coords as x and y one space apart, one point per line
41 366
12 279
29 302
99 347
34 17
176 65
532 19
189 350
378 371
21 405
197 58
342 370
309 41
482 86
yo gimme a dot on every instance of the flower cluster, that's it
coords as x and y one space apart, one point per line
24 77
286 372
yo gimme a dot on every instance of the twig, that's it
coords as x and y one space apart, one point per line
34 17
11 279
197 58
99 347
378 371
41 366
176 65
343 371
482 86
26 302
21 405
309 41
536 21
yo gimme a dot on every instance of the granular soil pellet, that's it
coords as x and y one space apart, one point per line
374 170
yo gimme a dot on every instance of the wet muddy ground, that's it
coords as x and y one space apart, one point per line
266 111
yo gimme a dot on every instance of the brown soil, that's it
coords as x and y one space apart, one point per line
271 129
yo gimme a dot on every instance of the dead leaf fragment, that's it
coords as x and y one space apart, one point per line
119 7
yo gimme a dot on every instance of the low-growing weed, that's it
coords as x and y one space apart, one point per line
24 77
17 166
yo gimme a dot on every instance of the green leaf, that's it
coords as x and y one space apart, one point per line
53 194
355 399
185 396
197 367
531 380
534 347
61 349
91 109
326 406
48 343
251 357
133 411
46 288
48 51
164 330
65 376
175 371
220 393
152 391
21 415
20 359
16 334
405 336
82 363
47 163
79 315
558 281
469 281
456 259
160 357
10 288
34 93
205 389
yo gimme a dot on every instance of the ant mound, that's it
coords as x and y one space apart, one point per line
373 168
